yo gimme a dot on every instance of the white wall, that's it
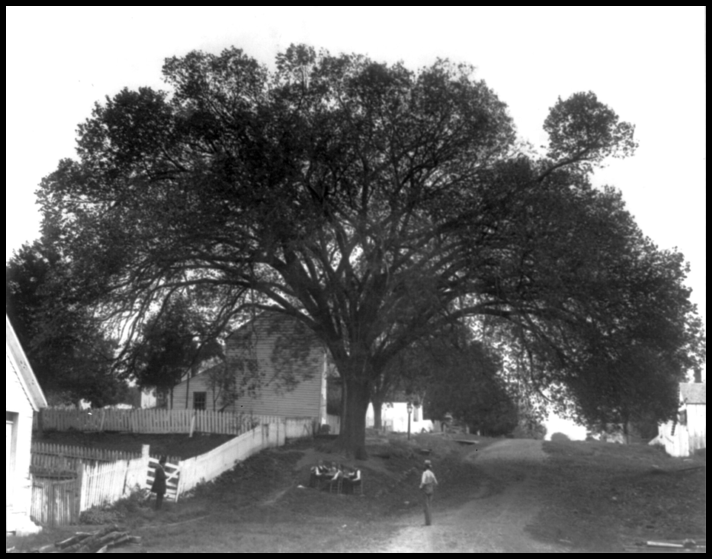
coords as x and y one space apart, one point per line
19 425
394 417
697 426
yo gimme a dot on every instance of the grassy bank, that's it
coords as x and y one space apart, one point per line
604 496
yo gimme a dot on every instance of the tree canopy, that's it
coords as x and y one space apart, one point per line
451 373
374 204
70 353
171 345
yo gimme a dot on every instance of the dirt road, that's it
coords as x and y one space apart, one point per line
488 522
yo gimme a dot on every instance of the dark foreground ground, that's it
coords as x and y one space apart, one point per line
504 495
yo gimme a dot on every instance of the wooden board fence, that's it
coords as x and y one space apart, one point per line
55 503
86 452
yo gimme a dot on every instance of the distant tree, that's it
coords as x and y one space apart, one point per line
169 347
70 352
463 379
372 203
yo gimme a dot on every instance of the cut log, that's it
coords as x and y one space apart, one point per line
94 544
79 536
121 541
90 544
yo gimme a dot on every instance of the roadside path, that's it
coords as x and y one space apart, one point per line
486 524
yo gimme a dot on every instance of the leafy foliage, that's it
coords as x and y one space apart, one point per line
375 205
464 381
70 353
169 347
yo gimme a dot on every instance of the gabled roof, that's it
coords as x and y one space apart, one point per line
267 319
693 392
26 376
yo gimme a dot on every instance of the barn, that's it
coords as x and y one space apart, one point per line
23 397
274 366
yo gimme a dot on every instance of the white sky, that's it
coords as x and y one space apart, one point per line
647 63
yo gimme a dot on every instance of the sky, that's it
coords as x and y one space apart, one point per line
647 63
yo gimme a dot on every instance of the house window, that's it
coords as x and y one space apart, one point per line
199 399
416 413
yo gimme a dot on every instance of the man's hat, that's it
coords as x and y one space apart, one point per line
428 463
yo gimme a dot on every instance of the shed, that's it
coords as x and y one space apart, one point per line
23 397
689 432
275 364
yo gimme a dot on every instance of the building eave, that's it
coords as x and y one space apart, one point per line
25 374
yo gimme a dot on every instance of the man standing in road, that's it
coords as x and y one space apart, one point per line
427 486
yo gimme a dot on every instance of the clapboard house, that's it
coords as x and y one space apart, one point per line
23 397
274 366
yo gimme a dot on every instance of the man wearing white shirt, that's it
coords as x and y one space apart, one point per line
427 485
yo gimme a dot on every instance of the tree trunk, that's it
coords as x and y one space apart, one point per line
187 394
352 437
377 413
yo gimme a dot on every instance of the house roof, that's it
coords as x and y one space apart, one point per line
693 392
25 374
270 317
202 373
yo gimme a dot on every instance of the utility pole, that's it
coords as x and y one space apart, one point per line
410 411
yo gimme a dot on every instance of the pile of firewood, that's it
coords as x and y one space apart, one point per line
87 542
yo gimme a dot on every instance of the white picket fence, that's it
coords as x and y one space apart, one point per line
103 482
156 421
108 482
210 465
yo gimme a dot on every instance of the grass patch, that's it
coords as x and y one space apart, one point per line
602 495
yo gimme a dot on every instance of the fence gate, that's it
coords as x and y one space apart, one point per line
55 502
172 469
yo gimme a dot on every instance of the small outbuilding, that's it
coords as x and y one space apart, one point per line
689 432
23 397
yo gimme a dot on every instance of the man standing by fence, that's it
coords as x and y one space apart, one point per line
427 486
159 482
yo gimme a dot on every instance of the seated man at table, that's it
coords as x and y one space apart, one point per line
351 480
336 474
318 473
